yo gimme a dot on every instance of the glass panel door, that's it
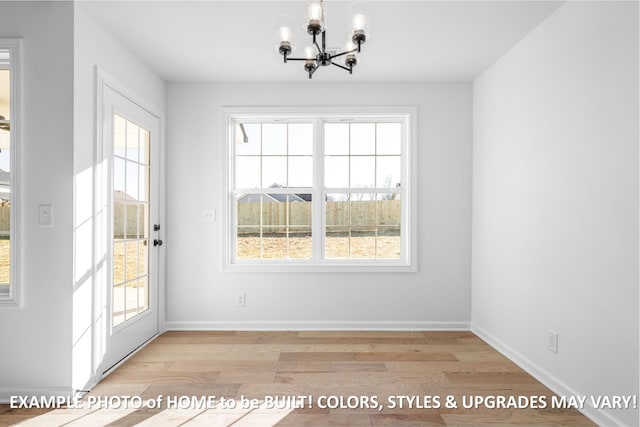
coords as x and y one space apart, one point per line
131 138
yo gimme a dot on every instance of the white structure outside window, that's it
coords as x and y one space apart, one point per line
9 141
320 189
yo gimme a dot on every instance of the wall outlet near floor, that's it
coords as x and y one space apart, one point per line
208 215
552 341
241 300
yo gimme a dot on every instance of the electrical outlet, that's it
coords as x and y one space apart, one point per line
208 215
552 341
241 299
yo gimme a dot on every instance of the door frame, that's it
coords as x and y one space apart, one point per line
101 226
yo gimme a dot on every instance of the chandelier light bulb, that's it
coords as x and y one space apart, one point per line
309 53
284 24
285 34
359 22
315 14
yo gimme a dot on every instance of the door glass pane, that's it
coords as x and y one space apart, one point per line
131 186
118 304
5 174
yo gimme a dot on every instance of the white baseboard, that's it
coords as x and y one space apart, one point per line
7 393
598 416
316 326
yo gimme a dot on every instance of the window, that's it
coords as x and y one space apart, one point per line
319 191
9 127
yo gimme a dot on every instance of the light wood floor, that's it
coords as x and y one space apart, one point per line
360 366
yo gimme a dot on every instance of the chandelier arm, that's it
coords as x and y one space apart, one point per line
297 59
342 66
346 52
313 71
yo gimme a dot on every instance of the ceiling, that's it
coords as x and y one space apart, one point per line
215 41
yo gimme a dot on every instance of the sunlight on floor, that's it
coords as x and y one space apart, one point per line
238 417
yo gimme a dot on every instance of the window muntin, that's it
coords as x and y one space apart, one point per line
9 60
310 191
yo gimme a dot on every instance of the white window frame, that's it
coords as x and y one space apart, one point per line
10 295
320 115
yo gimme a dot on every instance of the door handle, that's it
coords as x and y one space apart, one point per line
157 242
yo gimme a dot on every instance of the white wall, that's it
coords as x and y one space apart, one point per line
36 338
95 48
200 296
555 202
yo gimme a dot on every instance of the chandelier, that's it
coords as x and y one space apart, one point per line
317 56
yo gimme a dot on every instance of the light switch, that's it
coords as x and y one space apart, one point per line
45 216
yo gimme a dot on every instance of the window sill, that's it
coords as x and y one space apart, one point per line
368 266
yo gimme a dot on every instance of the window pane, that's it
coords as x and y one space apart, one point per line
143 294
389 138
119 136
133 142
301 138
143 191
131 300
248 172
118 178
248 242
132 177
336 138
388 171
336 172
300 171
144 217
274 139
300 243
388 211
274 172
118 261
252 147
134 225
299 212
118 304
363 243
5 92
143 258
5 257
363 138
363 210
363 172
144 141
338 220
